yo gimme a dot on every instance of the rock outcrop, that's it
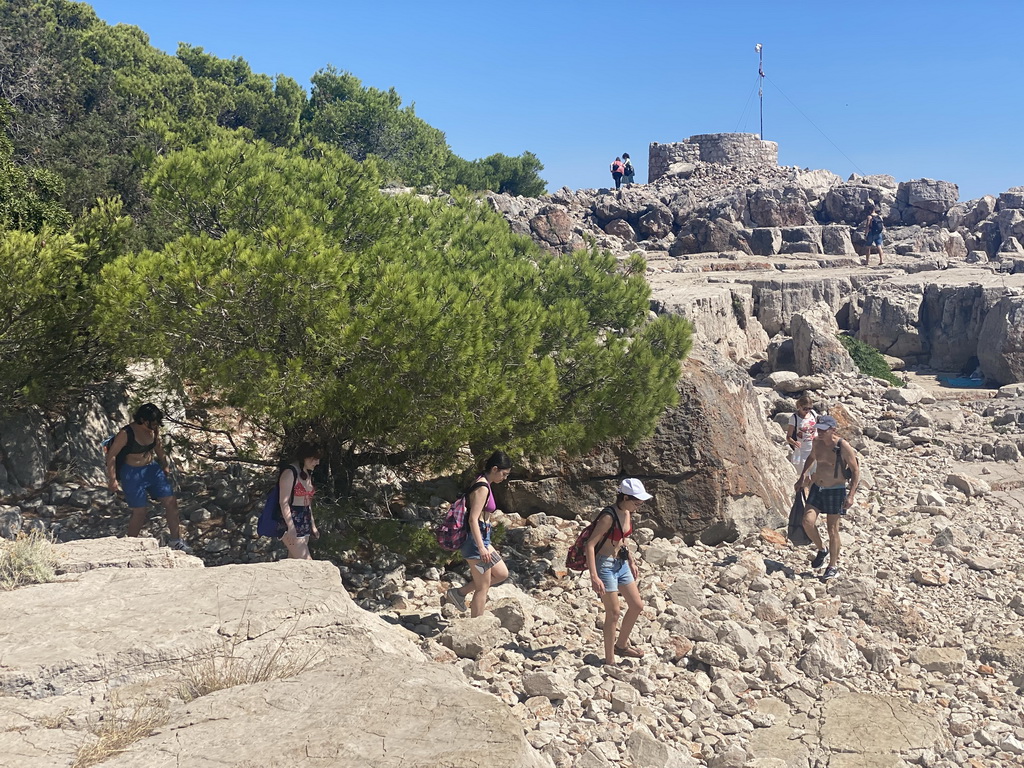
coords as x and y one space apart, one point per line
327 680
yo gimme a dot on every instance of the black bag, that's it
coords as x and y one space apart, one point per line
847 469
796 533
627 169
875 227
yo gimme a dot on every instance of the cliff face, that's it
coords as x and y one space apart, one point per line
741 247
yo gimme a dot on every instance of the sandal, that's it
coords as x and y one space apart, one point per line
630 651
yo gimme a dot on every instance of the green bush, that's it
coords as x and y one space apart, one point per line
869 360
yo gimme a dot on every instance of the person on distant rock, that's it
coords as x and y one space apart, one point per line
296 495
628 171
801 431
873 229
136 459
612 569
486 567
831 464
618 168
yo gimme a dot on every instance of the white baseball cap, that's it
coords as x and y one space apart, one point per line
633 487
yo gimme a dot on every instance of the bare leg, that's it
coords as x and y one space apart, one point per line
137 520
482 582
298 546
634 606
170 505
811 527
611 623
832 524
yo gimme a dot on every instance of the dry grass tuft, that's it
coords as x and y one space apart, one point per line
29 559
226 669
117 730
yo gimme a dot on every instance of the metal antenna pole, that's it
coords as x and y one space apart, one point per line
760 84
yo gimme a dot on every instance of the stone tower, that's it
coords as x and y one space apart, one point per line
722 148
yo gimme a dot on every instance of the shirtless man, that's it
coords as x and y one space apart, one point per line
829 494
143 472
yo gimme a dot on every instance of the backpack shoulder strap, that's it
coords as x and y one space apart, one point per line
295 479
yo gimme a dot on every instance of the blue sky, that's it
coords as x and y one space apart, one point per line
910 88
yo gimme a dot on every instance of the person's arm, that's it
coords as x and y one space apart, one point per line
314 531
791 435
161 457
598 534
285 484
477 499
850 457
119 442
808 462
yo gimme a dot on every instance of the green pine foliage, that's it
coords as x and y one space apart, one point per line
869 360
97 104
299 293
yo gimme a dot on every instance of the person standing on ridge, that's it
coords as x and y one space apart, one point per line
137 460
830 465
618 168
296 491
873 229
628 170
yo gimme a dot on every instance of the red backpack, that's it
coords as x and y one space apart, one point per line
576 558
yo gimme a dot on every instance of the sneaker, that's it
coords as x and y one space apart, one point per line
831 572
180 545
456 598
819 559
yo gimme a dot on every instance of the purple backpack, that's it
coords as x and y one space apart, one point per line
451 531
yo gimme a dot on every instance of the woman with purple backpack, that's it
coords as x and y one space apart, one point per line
485 564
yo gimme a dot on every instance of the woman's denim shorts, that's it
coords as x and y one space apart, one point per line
469 550
612 571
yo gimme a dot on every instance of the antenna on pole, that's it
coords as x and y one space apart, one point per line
760 84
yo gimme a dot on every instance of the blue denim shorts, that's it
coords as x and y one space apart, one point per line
876 240
142 483
469 550
612 571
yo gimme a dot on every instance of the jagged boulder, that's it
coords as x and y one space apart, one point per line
889 322
1002 354
709 481
1012 198
847 203
655 222
765 241
925 201
704 236
774 207
620 228
553 227
816 348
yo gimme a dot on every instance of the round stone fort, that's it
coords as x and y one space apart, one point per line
739 149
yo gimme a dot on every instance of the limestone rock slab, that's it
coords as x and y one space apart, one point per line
863 723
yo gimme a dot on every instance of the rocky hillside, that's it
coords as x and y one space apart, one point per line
914 656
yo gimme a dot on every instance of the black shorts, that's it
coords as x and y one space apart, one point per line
827 500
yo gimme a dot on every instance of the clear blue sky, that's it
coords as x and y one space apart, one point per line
906 87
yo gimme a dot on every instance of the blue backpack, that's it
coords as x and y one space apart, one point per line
271 521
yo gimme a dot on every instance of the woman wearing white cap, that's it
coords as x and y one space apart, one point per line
612 569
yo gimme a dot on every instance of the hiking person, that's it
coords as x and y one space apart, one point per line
296 496
486 567
831 463
628 171
136 459
800 433
873 229
612 569
618 168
